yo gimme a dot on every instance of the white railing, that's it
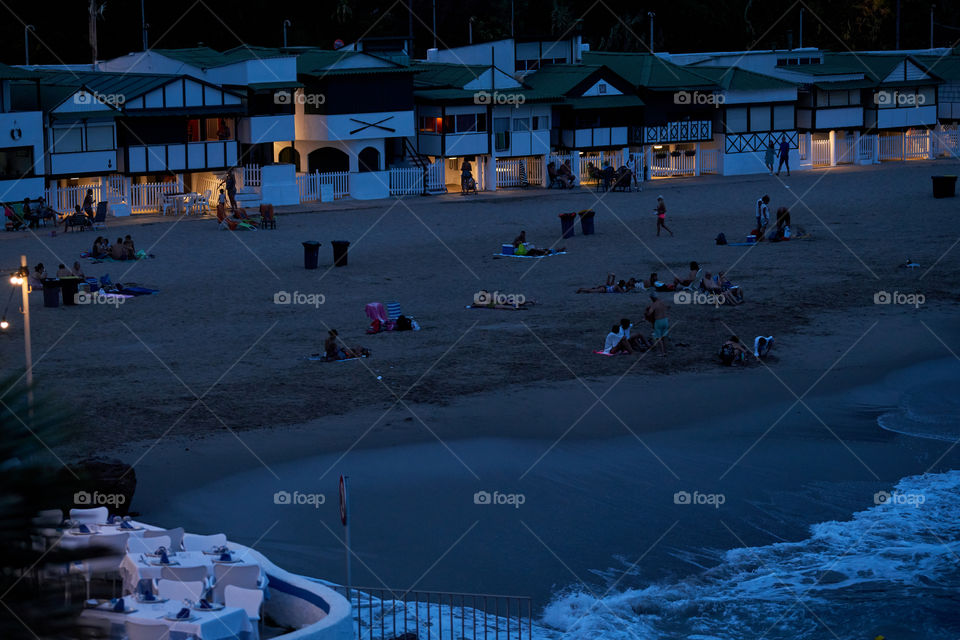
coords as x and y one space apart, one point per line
118 188
406 181
249 175
846 149
148 197
867 143
891 147
535 171
309 185
511 173
946 141
916 145
665 165
206 183
709 161
437 177
821 153
65 199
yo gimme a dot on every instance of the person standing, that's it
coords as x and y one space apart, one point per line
231 185
763 216
656 314
662 216
88 204
768 156
784 155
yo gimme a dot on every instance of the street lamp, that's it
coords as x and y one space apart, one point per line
19 278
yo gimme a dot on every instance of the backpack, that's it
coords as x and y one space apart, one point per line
721 239
403 324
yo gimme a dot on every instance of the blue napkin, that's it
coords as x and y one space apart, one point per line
203 604
164 559
118 605
146 593
83 528
183 614
126 525
225 557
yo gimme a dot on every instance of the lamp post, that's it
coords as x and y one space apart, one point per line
20 278
800 36
143 23
651 15
26 42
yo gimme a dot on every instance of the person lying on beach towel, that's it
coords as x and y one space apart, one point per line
733 352
611 286
334 349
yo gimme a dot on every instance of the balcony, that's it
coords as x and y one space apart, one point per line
83 162
192 156
275 128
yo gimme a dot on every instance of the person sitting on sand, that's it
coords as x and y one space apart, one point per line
334 349
520 239
654 282
129 249
694 270
97 250
615 343
611 286
762 346
636 342
78 218
63 272
733 292
116 251
733 351
39 275
77 271
709 285
523 248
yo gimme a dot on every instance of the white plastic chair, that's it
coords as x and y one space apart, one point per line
250 600
178 591
194 542
146 630
97 515
175 535
245 576
113 547
137 545
196 573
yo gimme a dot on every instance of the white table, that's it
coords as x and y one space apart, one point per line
71 540
137 567
180 201
229 622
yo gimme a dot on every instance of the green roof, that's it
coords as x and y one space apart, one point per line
447 75
324 62
647 70
946 67
559 79
207 58
605 102
873 67
267 86
737 79
129 85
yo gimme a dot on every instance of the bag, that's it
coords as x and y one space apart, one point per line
721 239
727 355
403 324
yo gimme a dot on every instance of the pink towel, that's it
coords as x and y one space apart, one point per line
375 311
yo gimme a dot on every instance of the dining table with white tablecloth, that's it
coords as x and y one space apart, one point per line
227 622
137 567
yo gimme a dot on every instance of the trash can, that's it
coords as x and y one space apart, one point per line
340 252
944 186
566 224
51 292
311 254
586 221
69 286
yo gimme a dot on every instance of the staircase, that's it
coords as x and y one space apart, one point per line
423 163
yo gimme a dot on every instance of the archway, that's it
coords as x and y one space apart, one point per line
369 159
289 155
328 159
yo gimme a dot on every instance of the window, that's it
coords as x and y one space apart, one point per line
926 96
470 122
541 122
521 124
210 129
601 88
760 118
839 98
68 139
16 163
501 131
431 124
822 98
783 117
736 120
99 137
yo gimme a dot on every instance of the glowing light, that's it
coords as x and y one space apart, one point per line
4 324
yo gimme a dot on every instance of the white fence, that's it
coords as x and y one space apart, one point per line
846 149
406 181
309 185
65 199
249 176
665 165
535 171
709 161
946 141
916 145
821 153
437 177
598 159
867 143
891 147
802 147
512 173
148 196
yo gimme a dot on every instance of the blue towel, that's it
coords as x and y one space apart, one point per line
183 614
393 310
126 525
225 557
203 604
83 528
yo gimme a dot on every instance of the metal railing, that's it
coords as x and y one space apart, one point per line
383 614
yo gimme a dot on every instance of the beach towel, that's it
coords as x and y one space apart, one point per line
550 255
393 311
604 353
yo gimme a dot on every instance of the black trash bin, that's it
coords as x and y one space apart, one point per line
70 287
311 254
340 252
586 221
51 292
944 186
567 220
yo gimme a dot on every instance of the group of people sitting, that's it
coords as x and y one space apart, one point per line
123 249
335 349
561 176
623 339
29 216
39 273
733 351
708 283
523 248
609 178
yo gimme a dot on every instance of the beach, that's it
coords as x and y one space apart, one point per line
205 388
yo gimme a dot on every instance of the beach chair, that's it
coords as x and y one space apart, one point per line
694 284
101 216
268 220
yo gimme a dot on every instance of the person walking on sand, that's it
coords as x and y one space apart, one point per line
656 314
784 155
662 216
768 156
